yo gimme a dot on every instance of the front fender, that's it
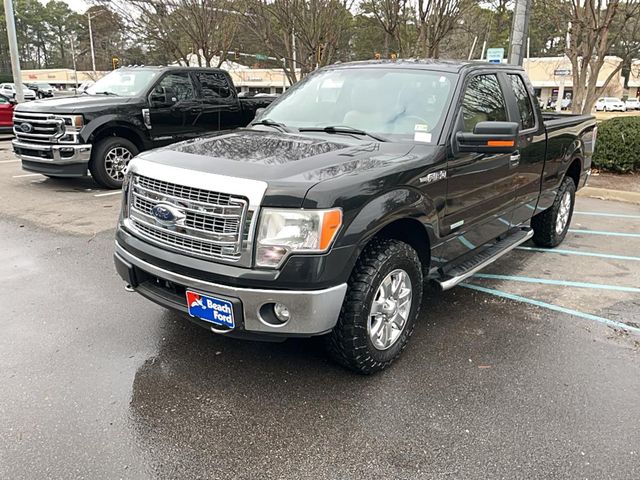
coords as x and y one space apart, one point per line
397 204
132 123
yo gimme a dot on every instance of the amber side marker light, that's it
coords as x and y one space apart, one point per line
500 143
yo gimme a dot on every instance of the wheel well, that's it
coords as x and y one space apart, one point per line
119 131
412 232
574 171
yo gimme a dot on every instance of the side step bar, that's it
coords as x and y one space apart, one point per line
461 272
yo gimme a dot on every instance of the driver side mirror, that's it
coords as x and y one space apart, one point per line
489 137
13 101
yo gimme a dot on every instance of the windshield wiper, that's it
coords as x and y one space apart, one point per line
104 93
343 129
270 123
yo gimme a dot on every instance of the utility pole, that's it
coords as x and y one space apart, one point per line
519 31
93 53
13 49
73 57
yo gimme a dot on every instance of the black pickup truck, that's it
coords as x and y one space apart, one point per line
360 184
129 110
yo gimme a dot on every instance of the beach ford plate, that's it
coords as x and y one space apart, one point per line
210 309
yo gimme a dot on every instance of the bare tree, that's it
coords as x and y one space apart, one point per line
206 28
306 34
435 21
598 28
391 15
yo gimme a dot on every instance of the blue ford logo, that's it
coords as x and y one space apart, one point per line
168 214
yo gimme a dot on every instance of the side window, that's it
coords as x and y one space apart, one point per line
483 101
178 85
214 85
527 119
3 101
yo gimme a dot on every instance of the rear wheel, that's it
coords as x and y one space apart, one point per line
551 226
109 159
380 308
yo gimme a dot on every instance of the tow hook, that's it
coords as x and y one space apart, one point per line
129 288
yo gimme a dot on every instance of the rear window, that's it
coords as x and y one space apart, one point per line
214 85
525 109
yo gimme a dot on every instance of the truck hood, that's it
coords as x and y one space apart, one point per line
290 163
74 104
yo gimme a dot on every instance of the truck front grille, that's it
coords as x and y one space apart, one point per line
213 223
40 127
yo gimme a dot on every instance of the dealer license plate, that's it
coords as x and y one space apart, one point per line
210 309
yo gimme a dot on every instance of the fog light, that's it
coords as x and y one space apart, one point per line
281 312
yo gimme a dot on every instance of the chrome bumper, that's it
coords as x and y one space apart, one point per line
313 312
56 154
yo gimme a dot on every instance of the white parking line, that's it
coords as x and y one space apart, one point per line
117 192
28 175
10 161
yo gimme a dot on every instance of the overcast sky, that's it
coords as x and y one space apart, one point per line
77 5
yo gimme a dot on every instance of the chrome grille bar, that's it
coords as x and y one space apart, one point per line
213 222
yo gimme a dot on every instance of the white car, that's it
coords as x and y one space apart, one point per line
610 104
9 89
632 104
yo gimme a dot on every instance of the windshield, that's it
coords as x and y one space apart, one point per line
127 83
395 103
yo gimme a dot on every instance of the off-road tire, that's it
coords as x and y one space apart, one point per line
349 343
97 165
544 223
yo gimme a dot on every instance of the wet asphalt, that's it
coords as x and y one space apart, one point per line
100 383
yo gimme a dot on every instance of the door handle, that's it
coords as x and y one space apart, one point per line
514 159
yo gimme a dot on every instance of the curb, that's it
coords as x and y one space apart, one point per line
607 194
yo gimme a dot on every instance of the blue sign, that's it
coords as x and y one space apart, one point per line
495 55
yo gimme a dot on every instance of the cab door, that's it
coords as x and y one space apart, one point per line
480 196
174 108
527 162
218 100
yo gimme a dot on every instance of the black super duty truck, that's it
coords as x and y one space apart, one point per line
359 185
129 110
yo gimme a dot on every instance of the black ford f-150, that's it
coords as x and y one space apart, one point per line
127 111
352 190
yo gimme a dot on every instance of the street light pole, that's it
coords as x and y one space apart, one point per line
73 56
93 53
13 49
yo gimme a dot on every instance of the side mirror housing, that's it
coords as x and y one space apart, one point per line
489 137
259 112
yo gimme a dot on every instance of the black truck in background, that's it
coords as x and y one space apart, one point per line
128 111
347 194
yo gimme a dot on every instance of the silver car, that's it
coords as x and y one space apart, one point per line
9 89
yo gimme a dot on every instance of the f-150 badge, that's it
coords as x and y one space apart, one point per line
434 176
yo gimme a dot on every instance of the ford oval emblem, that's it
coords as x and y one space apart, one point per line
167 214
26 127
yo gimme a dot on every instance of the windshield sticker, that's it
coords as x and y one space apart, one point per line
421 133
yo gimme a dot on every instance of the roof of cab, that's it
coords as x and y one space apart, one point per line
453 66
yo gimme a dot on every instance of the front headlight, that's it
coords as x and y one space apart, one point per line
73 123
284 231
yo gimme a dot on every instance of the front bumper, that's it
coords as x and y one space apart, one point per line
313 312
62 159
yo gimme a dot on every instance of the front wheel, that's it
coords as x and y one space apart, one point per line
109 159
380 308
551 226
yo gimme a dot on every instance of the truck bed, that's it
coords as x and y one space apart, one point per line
555 121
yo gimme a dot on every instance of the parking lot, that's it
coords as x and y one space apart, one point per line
531 369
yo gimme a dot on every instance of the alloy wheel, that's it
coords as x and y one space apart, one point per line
115 161
390 310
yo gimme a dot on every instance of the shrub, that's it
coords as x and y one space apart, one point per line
618 145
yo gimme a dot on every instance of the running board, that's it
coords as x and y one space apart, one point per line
461 272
